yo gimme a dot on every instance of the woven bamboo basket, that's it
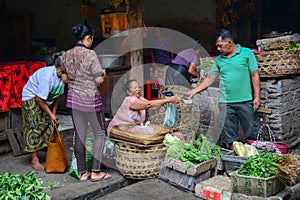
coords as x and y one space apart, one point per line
139 162
177 90
277 63
278 43
185 124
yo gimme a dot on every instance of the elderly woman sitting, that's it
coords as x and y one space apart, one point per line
133 107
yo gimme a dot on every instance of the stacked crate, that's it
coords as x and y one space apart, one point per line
178 174
275 59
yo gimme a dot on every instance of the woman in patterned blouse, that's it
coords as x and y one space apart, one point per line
85 75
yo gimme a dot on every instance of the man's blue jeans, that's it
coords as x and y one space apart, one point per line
233 114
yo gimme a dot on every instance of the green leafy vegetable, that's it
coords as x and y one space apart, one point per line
15 186
262 165
293 47
191 152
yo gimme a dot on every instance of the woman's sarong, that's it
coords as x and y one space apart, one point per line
37 126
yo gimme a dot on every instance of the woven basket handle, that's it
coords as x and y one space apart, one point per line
55 132
271 135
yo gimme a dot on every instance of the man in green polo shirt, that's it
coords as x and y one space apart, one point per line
239 78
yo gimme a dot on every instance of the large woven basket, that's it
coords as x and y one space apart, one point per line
278 63
278 43
139 162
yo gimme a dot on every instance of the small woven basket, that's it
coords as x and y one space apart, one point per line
276 63
139 162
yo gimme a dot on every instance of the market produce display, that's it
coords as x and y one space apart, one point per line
244 150
15 186
265 165
287 168
262 165
191 152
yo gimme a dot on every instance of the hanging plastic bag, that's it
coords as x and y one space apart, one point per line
89 158
171 116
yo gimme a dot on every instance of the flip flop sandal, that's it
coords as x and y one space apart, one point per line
86 179
105 176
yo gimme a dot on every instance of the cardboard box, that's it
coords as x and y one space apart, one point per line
182 180
193 170
216 188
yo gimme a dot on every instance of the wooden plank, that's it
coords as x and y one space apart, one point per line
5 147
16 118
19 135
17 150
264 110
3 136
4 121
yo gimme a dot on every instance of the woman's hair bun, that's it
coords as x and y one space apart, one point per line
81 30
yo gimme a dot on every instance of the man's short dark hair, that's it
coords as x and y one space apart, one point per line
224 34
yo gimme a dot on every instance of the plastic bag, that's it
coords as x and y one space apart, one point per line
89 159
142 130
171 116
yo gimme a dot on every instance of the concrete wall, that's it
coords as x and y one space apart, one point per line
283 97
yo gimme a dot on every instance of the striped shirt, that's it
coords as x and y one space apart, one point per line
82 66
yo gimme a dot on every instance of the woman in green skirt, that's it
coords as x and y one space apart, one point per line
41 91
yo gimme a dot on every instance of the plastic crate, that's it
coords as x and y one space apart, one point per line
220 163
182 180
232 162
255 186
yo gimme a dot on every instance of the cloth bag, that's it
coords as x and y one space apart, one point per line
56 159
171 116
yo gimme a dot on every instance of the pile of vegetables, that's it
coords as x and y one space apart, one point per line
262 165
15 186
191 152
265 165
287 168
244 150
295 47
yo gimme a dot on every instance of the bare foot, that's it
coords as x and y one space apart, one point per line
37 165
35 162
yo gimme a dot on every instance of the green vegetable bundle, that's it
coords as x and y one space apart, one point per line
191 152
262 165
15 186
294 47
